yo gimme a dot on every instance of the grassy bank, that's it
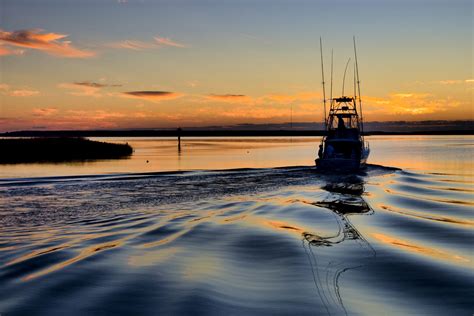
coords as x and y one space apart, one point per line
59 150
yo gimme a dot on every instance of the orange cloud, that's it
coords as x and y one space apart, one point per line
451 82
51 43
407 104
98 115
153 96
5 51
6 90
23 93
454 82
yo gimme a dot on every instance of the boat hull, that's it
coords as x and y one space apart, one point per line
340 164
343 164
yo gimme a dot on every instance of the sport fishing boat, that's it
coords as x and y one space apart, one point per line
343 146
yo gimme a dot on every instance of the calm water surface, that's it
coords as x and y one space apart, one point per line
259 233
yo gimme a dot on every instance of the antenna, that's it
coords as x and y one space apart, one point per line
358 85
322 74
344 78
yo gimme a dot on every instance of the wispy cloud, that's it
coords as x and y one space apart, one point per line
455 82
451 82
87 88
95 84
23 93
44 111
50 43
408 95
153 96
165 41
133 45
137 45
81 90
231 98
8 90
5 51
97 115
278 99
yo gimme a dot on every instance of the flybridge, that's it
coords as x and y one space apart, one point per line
343 99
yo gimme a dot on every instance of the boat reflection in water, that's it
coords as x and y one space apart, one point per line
331 256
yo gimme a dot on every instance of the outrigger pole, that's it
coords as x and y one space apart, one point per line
355 91
324 89
358 86
344 78
332 55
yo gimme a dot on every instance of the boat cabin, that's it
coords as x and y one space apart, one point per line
343 139
343 121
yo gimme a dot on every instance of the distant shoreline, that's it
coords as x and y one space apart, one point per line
210 133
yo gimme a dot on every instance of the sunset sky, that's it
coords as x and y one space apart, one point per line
82 64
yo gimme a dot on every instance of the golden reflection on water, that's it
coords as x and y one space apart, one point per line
425 215
419 249
155 154
85 253
283 225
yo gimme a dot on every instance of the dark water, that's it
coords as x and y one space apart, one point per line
265 241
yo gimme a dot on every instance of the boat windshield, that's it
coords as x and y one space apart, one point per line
343 122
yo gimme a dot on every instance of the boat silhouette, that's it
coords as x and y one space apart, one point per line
343 147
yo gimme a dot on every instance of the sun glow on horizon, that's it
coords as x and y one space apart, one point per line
156 73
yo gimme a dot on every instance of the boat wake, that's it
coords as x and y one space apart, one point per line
246 241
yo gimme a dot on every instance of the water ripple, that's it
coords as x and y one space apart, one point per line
243 241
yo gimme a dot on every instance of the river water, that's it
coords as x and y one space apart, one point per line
241 226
